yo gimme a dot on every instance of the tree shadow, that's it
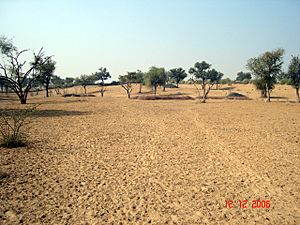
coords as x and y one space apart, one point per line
4 97
44 112
278 97
226 88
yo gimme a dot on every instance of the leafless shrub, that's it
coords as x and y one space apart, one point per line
12 126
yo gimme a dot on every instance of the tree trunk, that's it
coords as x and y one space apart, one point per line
102 91
155 87
263 94
268 93
141 85
128 94
23 99
84 87
203 95
297 93
47 90
177 84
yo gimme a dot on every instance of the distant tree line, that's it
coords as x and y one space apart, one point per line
21 77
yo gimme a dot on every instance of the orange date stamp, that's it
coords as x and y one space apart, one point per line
244 204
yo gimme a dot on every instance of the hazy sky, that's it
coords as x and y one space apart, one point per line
126 35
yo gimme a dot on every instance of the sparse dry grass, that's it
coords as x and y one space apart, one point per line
111 159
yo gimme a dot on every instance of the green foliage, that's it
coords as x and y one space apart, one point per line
102 75
285 81
85 80
266 68
57 82
294 71
214 76
294 74
241 76
12 126
139 77
155 76
127 80
200 70
246 81
226 81
178 74
206 77
69 81
46 74
260 85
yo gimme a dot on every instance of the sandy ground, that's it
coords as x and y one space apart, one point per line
113 160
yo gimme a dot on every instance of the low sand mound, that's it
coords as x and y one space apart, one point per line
164 97
237 96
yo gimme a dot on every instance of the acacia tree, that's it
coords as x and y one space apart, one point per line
294 74
139 78
178 74
102 75
126 82
57 83
242 76
218 79
207 78
14 72
69 81
46 74
85 80
265 68
155 76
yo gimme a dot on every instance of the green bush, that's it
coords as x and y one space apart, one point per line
246 81
285 81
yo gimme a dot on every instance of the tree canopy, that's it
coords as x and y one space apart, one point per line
102 75
85 80
178 74
241 76
46 74
294 74
127 80
265 68
205 76
156 76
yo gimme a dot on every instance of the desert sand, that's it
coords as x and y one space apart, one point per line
112 160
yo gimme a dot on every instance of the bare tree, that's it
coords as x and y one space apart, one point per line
13 72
